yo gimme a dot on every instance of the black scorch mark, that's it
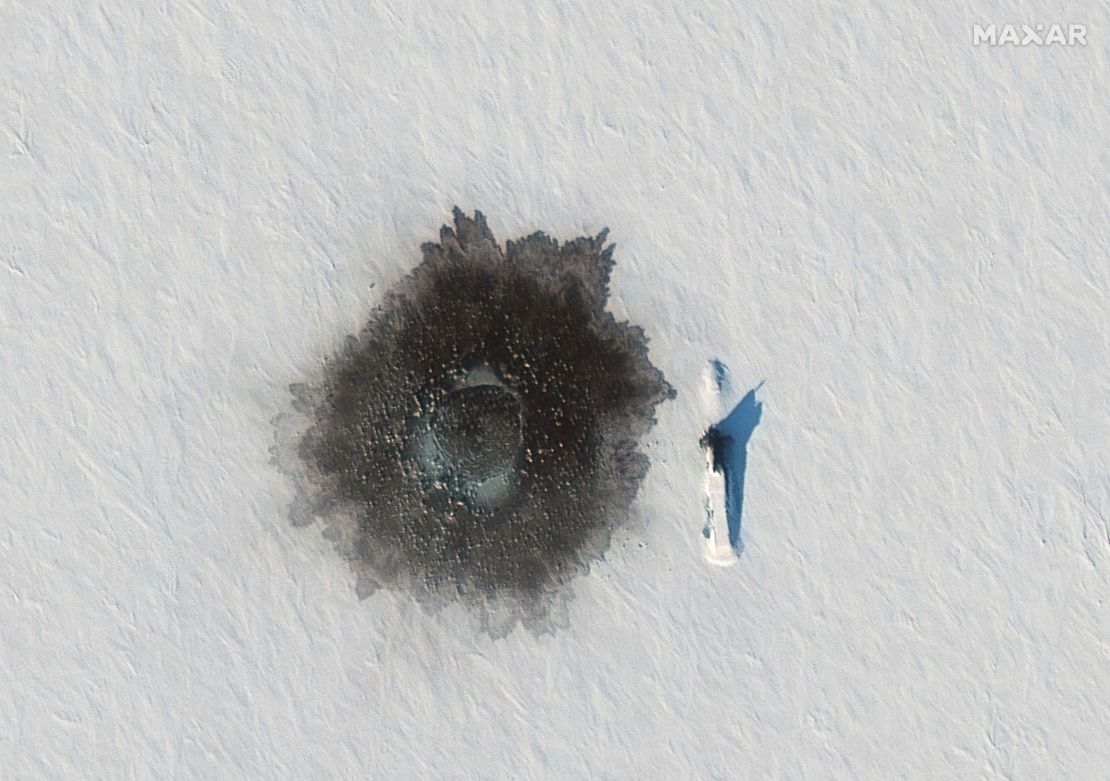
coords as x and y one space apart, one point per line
479 439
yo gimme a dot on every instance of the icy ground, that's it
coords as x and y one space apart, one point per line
905 235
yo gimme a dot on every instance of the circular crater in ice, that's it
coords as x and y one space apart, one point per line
479 438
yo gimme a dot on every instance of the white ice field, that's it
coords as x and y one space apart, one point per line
905 235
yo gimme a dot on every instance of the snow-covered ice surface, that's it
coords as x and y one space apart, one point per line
904 234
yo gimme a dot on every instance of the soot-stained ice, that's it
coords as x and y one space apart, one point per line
478 440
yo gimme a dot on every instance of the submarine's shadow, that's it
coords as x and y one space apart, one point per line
734 432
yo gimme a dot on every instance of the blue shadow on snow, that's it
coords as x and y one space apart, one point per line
729 440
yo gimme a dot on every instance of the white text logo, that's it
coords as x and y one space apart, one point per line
1029 35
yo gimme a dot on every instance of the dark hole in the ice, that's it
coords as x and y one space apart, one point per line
478 430
729 442
468 444
479 439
